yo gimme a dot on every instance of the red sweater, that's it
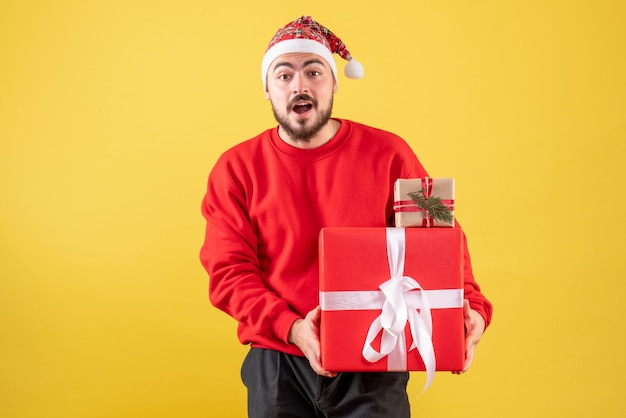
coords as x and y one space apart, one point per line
265 204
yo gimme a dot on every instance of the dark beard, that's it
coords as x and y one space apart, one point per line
300 132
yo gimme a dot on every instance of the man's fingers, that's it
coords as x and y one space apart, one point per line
474 328
314 315
316 364
469 356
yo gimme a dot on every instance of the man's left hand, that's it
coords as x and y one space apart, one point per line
474 328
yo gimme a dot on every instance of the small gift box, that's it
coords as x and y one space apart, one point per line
391 299
424 202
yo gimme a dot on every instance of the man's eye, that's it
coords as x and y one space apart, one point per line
315 73
283 77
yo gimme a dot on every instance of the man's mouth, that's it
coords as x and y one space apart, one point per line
302 104
301 108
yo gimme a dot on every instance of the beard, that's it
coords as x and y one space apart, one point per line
299 131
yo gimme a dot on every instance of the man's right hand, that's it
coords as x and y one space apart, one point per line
304 333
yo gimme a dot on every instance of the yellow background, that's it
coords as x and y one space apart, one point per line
113 112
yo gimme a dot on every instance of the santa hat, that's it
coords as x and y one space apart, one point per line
306 35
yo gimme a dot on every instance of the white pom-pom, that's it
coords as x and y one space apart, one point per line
354 69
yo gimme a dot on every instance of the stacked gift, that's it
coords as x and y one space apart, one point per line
391 299
424 202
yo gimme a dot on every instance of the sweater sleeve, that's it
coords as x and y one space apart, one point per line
229 255
472 291
414 169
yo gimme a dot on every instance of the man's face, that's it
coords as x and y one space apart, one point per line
301 87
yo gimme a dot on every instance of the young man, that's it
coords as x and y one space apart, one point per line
266 202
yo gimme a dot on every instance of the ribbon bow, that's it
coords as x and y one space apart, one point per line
397 310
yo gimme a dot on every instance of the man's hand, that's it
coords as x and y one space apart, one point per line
305 334
474 328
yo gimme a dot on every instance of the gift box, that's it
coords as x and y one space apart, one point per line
414 197
391 299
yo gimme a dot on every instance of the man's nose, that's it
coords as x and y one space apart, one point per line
300 83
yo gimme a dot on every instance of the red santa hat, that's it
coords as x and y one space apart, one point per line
306 35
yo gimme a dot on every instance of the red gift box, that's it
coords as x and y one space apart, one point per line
378 287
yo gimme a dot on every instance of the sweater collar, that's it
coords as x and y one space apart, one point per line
312 154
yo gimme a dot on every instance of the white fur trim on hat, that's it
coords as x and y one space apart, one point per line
299 45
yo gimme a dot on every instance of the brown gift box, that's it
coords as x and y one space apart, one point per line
408 214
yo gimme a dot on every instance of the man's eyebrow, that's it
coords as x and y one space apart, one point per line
283 64
313 61
291 66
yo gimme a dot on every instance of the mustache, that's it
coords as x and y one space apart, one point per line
302 97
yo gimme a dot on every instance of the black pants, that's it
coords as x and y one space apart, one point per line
282 385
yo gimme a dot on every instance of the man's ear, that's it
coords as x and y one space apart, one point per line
267 94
